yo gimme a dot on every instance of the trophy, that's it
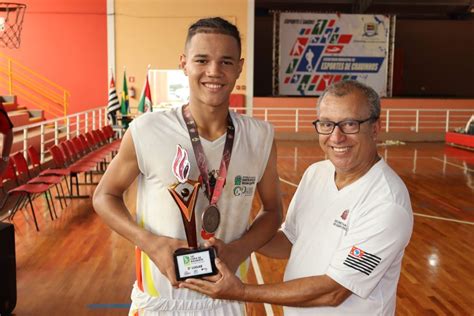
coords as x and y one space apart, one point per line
192 262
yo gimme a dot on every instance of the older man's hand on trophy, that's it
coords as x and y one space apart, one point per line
228 253
161 251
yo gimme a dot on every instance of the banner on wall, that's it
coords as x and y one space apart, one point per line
319 49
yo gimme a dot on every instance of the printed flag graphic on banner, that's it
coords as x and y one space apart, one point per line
124 102
113 105
145 104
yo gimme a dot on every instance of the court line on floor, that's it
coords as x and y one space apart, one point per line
288 182
414 213
258 276
453 164
109 306
444 219
390 157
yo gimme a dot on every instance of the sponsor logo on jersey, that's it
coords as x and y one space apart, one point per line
342 224
344 214
244 185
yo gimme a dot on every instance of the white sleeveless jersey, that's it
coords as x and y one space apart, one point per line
156 136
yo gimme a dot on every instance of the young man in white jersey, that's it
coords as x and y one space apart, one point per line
212 63
347 225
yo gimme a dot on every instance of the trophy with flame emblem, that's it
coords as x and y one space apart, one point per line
184 193
193 262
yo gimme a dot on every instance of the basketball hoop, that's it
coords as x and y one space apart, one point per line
11 23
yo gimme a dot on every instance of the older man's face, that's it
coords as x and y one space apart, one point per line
350 153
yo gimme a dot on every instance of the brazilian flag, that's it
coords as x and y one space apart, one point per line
124 108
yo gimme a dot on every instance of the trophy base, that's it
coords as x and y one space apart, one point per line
194 263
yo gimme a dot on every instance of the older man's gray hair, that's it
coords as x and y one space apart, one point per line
345 87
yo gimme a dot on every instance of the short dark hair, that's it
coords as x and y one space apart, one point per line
342 88
215 25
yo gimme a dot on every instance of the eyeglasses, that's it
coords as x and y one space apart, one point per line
347 126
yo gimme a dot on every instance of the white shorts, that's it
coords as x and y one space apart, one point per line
145 305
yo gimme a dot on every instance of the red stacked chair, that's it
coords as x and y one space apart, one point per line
110 134
34 156
62 159
28 190
24 173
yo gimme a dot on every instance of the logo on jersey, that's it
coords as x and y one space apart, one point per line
344 214
244 185
181 165
361 260
342 224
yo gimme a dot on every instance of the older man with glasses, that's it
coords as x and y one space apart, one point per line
347 225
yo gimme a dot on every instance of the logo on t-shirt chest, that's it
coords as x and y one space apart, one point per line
341 221
244 185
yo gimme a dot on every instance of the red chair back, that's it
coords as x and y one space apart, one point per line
108 130
100 134
21 165
96 137
76 142
58 156
34 156
83 140
72 150
9 173
90 139
66 153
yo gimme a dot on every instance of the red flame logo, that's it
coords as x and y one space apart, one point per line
181 164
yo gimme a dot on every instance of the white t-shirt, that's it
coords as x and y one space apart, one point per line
356 236
155 137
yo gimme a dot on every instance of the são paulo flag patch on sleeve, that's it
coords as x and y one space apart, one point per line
361 260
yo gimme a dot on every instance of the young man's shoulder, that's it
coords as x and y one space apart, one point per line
250 122
149 117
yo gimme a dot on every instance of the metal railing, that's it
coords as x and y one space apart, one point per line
44 134
297 120
36 90
393 120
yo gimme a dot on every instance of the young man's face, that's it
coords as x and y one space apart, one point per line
212 63
350 153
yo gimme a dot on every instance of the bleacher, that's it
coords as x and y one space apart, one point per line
19 114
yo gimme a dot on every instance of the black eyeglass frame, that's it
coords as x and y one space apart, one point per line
315 124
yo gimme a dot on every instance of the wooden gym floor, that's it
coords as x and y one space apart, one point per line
77 266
